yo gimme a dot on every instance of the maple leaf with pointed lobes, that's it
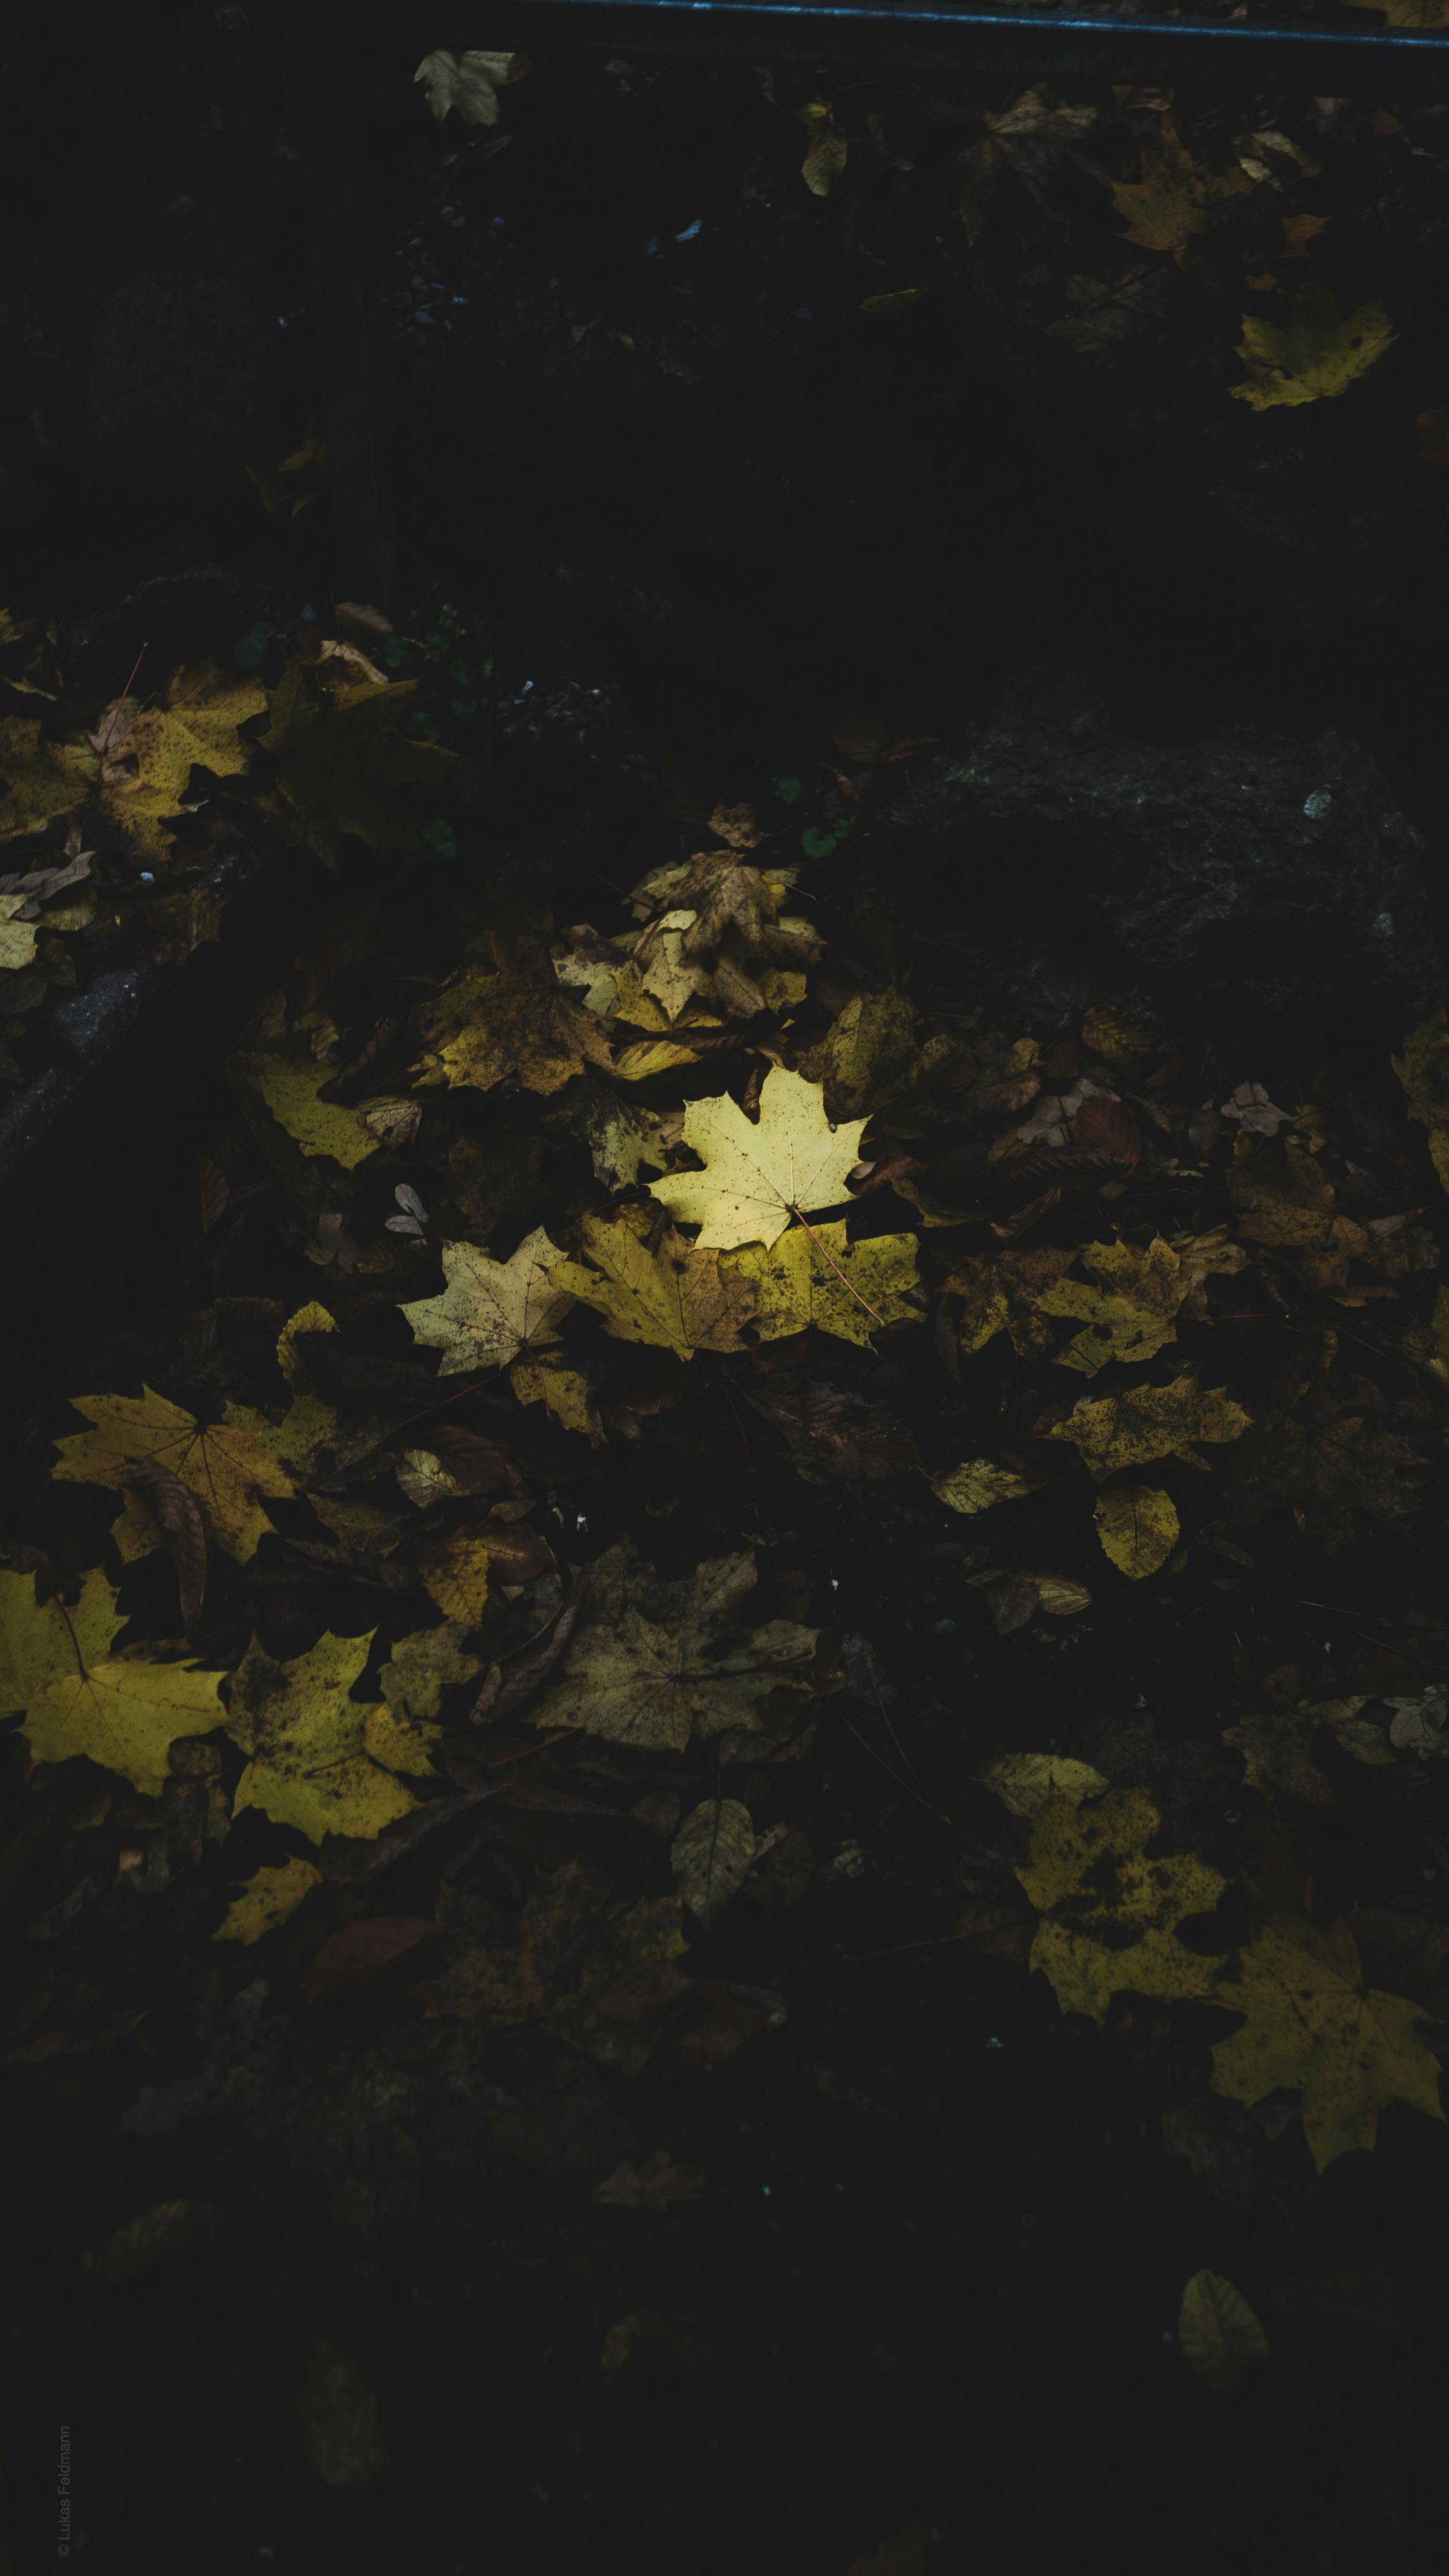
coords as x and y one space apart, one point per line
146 755
487 1026
651 1284
1110 1915
1174 198
571 1944
223 1465
307 1741
291 1078
121 1711
812 1276
757 1177
1146 1422
469 82
1314 2027
491 1310
652 1662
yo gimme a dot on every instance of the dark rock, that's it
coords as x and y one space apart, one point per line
1243 884
184 377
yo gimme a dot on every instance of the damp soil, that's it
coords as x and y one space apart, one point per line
691 505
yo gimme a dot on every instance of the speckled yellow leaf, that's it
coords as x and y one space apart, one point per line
1138 1527
759 1176
267 1899
454 1568
978 1484
815 1277
291 1081
222 1465
307 1741
1146 1422
1127 1309
1318 350
1110 1915
565 1393
151 751
425 1665
1315 2027
41 779
491 1310
651 1284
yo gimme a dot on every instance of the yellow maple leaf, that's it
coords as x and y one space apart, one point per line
146 754
491 1310
291 1078
1145 1422
1316 2028
1004 1294
469 82
1128 1308
570 1942
665 1290
1317 351
1110 1915
487 1026
758 1176
306 1738
41 1642
310 1425
268 1897
1138 1527
222 1464
422 1667
121 1711
813 1276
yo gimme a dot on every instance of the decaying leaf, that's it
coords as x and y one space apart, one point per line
1313 352
1146 1422
1112 1915
1217 2332
712 1855
813 1276
469 82
487 1026
1315 2028
979 1484
306 1738
1028 1782
224 1466
1128 1309
1138 1527
653 1662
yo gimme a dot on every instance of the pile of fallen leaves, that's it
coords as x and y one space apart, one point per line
575 1206
122 824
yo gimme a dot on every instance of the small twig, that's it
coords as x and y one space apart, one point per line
120 702
826 1255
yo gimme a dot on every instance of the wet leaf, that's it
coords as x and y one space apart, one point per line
651 1284
491 1310
1138 1528
1146 1422
270 1895
306 1738
653 1662
1027 1783
223 1466
487 1026
1315 351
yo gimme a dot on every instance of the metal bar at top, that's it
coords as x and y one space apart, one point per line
1332 62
